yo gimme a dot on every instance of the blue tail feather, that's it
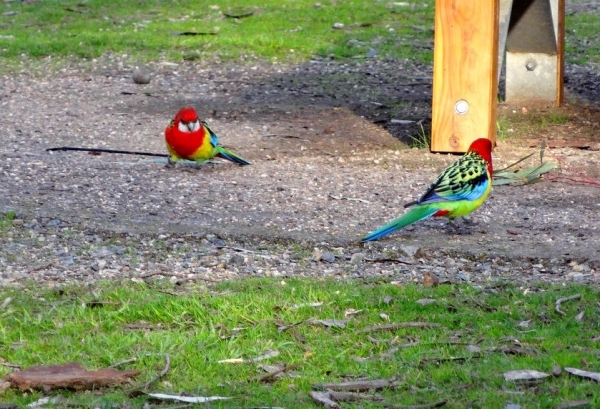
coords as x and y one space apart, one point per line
413 215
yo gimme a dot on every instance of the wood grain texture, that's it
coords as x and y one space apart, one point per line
560 41
465 68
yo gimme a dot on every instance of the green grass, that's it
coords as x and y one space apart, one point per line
276 30
422 139
6 221
199 327
289 31
582 39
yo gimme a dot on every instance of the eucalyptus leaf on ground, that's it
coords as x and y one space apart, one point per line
524 375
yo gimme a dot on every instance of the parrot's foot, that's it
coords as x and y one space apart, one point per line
455 228
170 163
468 220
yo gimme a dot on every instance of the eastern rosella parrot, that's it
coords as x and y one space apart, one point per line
188 137
456 192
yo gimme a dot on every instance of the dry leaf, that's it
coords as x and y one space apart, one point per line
573 404
524 375
426 301
586 374
332 323
474 348
324 399
309 304
188 399
351 311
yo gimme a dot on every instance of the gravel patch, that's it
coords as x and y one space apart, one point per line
328 165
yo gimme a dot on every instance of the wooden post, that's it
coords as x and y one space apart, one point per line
465 69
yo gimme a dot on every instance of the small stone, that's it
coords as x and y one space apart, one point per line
217 242
237 260
328 257
67 261
410 251
53 223
430 280
464 276
317 254
140 76
118 250
357 258
338 26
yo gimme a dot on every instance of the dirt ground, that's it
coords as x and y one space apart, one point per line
329 164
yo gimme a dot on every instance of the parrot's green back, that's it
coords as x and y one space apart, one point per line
459 190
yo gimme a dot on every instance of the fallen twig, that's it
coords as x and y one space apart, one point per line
437 404
451 359
181 276
349 199
162 373
123 362
10 365
397 325
562 300
357 386
583 178
288 136
270 375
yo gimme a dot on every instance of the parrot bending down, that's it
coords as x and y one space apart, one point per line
189 138
456 192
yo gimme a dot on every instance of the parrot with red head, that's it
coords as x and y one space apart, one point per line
187 137
456 192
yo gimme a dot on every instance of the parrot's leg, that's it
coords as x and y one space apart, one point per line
170 163
456 228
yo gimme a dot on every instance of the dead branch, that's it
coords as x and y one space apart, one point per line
562 300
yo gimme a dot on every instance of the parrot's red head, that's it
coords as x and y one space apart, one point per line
187 120
483 147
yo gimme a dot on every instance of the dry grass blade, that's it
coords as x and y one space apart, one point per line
524 176
562 300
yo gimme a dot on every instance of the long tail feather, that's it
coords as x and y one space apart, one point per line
226 154
103 150
413 215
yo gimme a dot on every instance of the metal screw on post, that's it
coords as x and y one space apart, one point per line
530 65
